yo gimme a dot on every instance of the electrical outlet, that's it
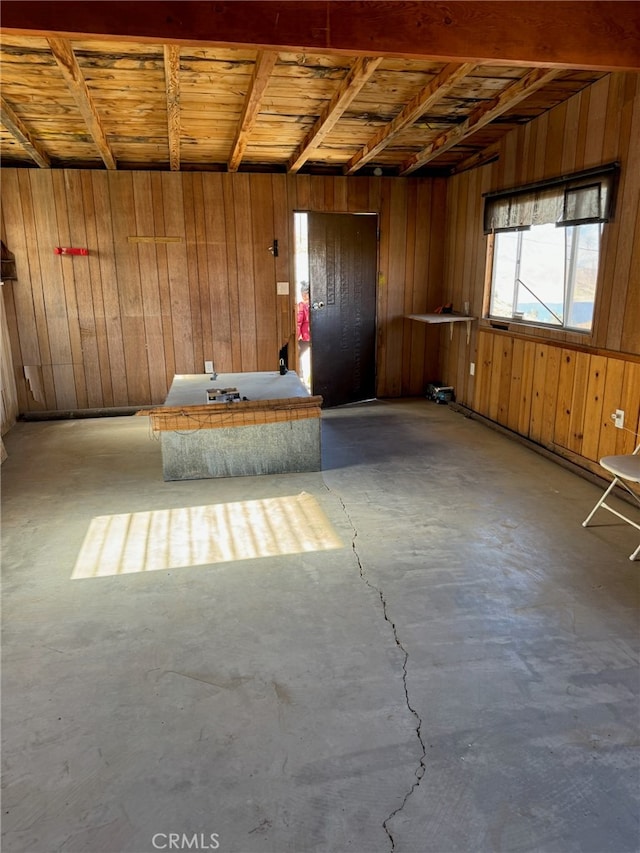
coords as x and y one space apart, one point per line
618 418
472 369
208 367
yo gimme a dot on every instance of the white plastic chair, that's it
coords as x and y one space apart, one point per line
625 469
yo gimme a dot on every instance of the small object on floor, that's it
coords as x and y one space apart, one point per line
440 393
430 390
222 395
445 394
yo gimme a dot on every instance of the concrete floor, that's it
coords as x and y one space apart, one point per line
442 660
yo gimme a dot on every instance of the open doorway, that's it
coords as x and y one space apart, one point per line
303 317
336 258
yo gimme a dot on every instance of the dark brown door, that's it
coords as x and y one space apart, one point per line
342 277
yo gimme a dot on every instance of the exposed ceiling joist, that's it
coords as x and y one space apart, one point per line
435 91
265 62
21 134
172 80
74 79
480 158
217 108
508 98
361 71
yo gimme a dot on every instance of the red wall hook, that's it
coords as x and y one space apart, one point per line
59 250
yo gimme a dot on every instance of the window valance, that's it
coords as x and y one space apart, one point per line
571 200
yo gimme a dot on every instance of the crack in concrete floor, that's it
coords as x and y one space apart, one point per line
421 768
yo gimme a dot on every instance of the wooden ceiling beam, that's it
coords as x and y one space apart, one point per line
348 89
483 115
431 94
265 62
589 34
68 64
480 158
172 81
21 134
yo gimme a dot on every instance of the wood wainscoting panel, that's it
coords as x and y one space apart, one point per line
559 397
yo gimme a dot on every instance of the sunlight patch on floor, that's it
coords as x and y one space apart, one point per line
201 535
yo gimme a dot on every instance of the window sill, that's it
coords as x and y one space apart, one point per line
576 341
506 324
532 333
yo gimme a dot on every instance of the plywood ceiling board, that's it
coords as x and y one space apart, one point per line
126 96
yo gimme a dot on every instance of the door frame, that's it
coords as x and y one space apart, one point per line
294 286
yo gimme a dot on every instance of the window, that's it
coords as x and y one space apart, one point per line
546 249
546 275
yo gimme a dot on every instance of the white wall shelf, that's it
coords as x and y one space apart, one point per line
438 319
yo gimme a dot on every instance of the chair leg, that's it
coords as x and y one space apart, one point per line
600 502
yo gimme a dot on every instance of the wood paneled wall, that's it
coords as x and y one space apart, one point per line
559 397
557 388
197 282
8 396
